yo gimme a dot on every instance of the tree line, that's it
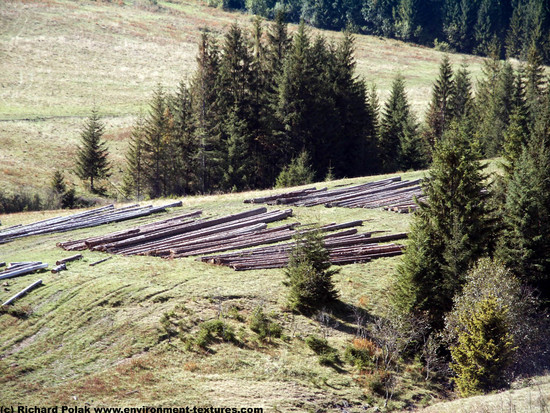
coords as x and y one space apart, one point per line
468 26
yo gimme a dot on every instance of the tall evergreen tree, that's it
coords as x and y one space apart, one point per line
135 176
397 123
155 145
182 144
207 117
461 102
440 111
91 162
449 232
525 244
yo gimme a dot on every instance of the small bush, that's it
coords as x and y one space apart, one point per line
298 172
361 353
378 381
327 355
263 326
213 330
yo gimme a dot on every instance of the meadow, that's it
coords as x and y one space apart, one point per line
60 59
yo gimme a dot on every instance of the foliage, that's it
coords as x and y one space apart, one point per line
327 354
91 162
263 326
213 330
525 244
64 197
485 348
520 315
309 274
448 233
298 172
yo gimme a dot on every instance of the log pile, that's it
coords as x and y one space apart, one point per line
392 194
180 236
17 269
343 248
98 216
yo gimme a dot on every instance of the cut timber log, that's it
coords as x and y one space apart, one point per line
23 270
23 292
69 259
59 268
100 261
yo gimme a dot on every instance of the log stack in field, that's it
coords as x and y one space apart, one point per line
98 216
392 194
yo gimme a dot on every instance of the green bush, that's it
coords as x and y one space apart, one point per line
485 348
213 330
327 355
263 326
309 274
298 172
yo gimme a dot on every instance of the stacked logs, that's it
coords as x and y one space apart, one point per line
181 236
343 248
17 269
392 194
98 216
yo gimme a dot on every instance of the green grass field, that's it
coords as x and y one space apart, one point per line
60 58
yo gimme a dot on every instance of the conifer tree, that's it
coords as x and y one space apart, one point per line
450 231
485 348
182 143
309 274
461 102
135 175
91 162
440 111
206 115
155 145
397 125
535 83
525 244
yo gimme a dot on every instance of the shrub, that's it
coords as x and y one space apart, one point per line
263 326
309 274
211 330
485 348
327 355
361 353
298 172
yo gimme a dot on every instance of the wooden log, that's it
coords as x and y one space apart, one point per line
190 227
23 292
2 264
69 259
100 261
59 268
24 270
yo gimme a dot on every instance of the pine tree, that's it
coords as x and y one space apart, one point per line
525 244
461 102
156 137
450 231
485 348
207 116
91 162
309 274
182 143
535 84
135 178
397 125
440 111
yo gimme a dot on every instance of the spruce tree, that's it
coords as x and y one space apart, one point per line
397 125
461 102
91 162
450 231
156 152
182 144
525 244
134 183
485 348
310 275
440 111
207 117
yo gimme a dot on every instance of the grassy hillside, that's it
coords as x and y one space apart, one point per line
94 332
60 58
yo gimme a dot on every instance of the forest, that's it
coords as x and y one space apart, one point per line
511 27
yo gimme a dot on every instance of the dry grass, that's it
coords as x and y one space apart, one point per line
61 58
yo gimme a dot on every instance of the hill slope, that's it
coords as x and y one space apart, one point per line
60 58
